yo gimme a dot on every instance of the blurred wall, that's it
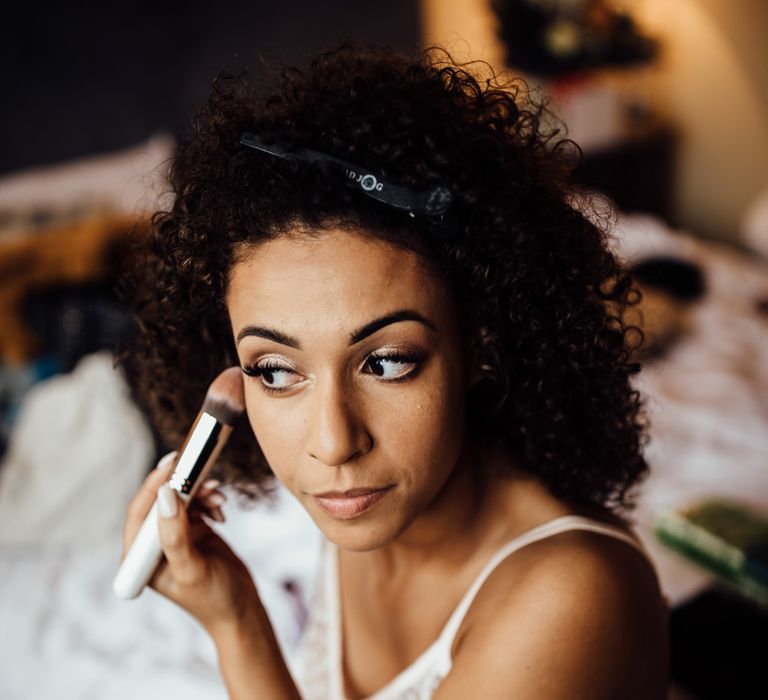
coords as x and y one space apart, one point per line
91 77
467 28
711 81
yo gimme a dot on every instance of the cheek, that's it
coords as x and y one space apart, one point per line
428 418
423 431
275 430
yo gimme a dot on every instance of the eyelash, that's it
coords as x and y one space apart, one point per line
399 358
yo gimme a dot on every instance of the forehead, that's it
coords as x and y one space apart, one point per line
336 276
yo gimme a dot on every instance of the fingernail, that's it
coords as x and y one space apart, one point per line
211 484
215 499
166 460
217 515
166 500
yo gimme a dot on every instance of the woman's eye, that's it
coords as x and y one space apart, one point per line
393 367
274 377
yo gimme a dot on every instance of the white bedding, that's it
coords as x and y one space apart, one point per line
65 634
77 455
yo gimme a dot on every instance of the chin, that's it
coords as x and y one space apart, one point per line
360 535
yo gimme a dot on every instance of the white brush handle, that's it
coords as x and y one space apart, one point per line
141 560
203 444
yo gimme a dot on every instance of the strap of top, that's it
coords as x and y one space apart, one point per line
438 656
333 605
552 527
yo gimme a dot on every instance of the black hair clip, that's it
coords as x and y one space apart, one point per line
431 204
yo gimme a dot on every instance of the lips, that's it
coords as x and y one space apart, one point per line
345 505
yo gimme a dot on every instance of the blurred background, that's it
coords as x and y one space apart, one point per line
669 103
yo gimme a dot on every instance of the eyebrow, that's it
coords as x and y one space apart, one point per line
355 337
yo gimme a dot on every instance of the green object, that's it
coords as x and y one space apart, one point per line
726 538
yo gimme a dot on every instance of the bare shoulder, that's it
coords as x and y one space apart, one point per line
576 615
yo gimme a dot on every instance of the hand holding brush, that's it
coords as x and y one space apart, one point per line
168 545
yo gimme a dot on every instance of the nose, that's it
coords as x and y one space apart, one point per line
337 432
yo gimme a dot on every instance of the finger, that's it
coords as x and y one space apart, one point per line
141 503
165 461
196 509
185 561
199 529
213 499
216 514
208 488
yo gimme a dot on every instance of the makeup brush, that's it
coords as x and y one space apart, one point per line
223 405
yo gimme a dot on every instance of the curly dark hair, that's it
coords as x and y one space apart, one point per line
532 272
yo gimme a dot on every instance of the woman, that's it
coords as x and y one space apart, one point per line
435 365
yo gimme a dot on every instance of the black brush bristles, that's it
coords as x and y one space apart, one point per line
225 400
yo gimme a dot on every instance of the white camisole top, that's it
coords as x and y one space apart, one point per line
317 667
